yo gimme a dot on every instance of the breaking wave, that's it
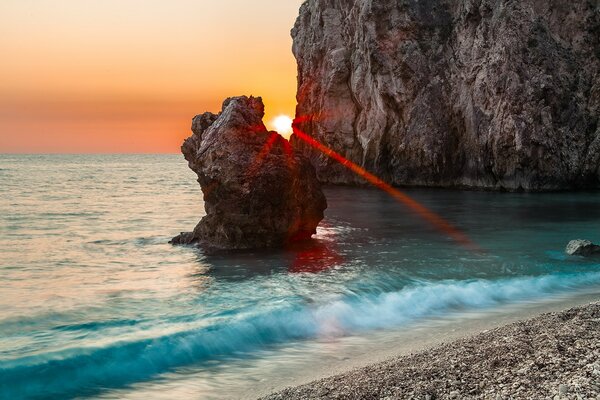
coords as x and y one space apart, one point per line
80 371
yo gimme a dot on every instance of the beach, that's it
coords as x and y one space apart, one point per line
552 356
97 304
300 199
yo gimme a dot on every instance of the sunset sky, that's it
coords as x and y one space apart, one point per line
127 76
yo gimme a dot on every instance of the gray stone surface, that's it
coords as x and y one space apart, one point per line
582 248
258 192
494 94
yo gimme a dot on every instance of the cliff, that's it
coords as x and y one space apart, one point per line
495 94
258 192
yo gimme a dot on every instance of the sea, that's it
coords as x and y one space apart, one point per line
95 303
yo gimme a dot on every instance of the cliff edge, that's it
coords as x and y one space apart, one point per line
494 94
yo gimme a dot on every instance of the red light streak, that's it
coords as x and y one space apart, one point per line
264 152
425 213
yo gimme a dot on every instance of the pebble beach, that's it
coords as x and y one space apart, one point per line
552 356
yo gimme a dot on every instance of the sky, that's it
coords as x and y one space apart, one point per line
127 76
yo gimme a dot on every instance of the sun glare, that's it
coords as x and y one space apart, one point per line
283 125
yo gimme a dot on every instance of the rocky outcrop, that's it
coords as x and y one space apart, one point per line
582 248
495 94
258 192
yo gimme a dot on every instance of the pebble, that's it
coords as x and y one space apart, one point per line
487 364
563 389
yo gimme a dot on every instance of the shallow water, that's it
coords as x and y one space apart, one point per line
95 303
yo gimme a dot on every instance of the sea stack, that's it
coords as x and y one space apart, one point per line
258 191
501 95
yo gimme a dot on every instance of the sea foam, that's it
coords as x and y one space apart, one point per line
84 371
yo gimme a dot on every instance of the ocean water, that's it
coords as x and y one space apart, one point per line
94 303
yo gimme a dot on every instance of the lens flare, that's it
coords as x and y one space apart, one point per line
440 223
264 152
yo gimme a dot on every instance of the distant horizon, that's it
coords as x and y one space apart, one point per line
112 77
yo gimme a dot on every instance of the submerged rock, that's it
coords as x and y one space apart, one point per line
582 248
495 94
258 191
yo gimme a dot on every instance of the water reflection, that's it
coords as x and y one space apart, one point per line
89 285
312 256
315 256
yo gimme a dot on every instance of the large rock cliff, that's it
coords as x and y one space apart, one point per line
258 192
497 94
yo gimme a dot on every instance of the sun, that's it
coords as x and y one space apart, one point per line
283 125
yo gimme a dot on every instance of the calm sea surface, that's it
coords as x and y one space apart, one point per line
95 303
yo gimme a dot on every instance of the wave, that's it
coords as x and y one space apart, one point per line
85 371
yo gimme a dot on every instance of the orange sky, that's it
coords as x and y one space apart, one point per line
127 76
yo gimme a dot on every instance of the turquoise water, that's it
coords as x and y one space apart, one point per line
95 303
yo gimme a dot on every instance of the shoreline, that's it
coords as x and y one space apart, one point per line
413 364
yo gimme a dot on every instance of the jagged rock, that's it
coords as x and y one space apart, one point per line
495 94
582 248
258 192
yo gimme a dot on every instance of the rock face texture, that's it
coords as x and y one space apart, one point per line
582 248
258 192
495 94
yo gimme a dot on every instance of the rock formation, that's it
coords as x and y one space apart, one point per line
258 192
495 94
582 248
